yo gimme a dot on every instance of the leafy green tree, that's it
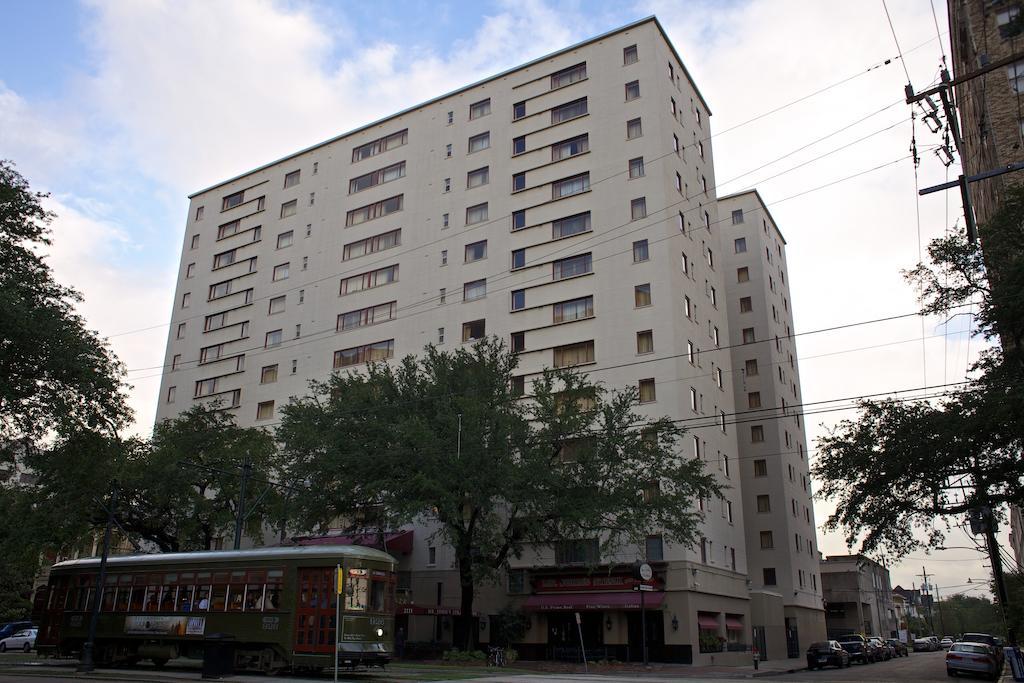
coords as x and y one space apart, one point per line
178 490
56 375
968 614
443 437
58 380
902 472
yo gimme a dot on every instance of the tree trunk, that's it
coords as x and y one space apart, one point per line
465 634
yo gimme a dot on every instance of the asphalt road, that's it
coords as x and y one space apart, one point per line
919 666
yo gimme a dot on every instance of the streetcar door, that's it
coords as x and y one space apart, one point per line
315 611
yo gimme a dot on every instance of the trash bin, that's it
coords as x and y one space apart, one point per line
218 656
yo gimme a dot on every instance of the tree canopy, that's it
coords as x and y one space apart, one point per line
902 472
444 437
56 375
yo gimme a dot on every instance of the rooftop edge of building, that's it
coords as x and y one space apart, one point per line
763 204
652 18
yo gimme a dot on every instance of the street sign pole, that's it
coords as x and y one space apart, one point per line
583 650
339 590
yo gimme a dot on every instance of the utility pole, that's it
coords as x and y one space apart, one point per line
86 665
945 92
926 588
983 521
240 513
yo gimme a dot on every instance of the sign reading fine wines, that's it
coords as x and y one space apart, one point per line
587 583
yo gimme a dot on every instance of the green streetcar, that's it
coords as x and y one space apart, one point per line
276 606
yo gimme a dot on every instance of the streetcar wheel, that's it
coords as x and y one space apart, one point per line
159 662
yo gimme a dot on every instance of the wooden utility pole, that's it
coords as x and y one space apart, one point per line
86 664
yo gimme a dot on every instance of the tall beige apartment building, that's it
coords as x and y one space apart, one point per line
567 206
782 552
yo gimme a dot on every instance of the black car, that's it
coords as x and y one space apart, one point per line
827 653
898 646
10 628
858 649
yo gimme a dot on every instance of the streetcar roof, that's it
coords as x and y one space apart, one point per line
334 553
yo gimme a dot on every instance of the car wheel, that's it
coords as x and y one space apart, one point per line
950 673
27 647
3 647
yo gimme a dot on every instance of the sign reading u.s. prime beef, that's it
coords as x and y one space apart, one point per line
164 626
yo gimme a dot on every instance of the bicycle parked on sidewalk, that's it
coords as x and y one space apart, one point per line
495 656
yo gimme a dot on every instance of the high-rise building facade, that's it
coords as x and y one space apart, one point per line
566 206
778 510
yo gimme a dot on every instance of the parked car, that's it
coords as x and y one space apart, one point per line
924 645
885 653
858 649
899 648
827 653
946 642
974 658
24 639
988 639
12 627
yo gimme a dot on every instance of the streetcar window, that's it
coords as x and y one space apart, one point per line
357 590
254 598
168 598
108 599
377 596
202 598
218 601
235 596
123 597
273 600
152 600
185 598
71 599
136 601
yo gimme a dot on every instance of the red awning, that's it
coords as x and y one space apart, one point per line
394 541
733 624
592 601
707 621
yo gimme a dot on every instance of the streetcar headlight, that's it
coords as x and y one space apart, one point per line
380 632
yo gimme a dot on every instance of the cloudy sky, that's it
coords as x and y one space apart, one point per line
120 109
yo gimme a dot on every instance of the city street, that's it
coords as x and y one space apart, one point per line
919 666
922 666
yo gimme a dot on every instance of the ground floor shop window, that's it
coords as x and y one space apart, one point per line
708 632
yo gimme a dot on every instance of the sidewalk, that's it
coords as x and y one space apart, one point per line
661 670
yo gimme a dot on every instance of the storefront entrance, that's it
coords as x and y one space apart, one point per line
655 636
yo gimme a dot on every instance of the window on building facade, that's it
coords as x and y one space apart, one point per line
636 167
473 330
476 251
378 177
476 214
563 227
569 110
642 295
480 142
634 129
640 251
629 55
568 76
268 374
480 176
375 210
645 342
518 259
366 353
575 309
518 145
756 433
647 391
518 110
570 186
372 245
572 266
480 109
764 503
380 145
632 90
477 289
638 208
746 306
743 274
574 354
